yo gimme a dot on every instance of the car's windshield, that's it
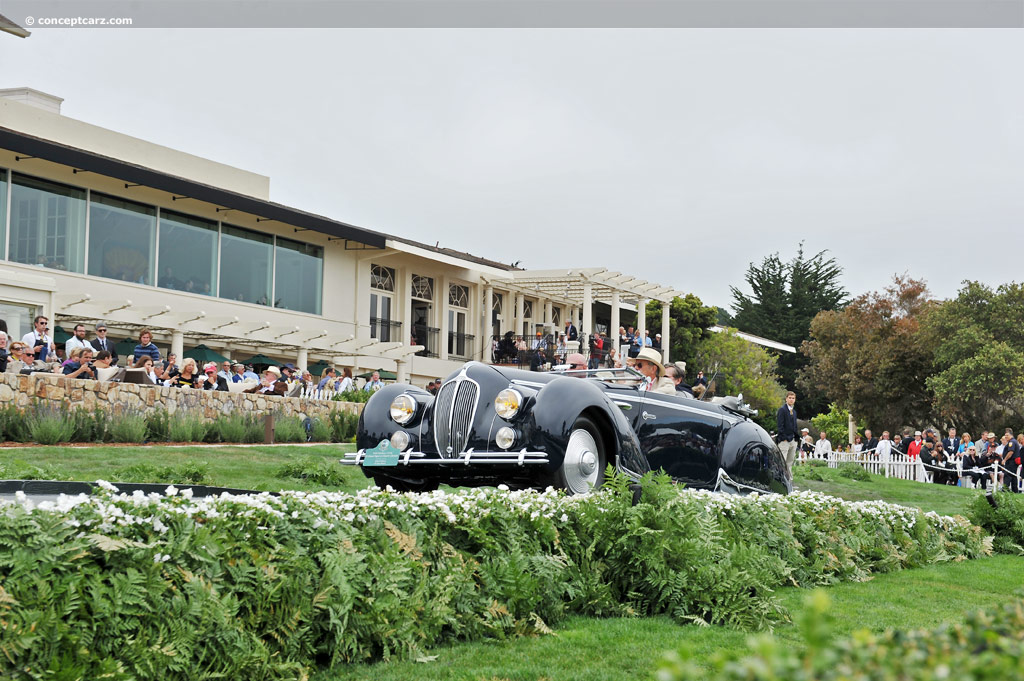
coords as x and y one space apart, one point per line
616 376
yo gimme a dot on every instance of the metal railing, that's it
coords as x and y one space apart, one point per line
427 336
385 330
460 346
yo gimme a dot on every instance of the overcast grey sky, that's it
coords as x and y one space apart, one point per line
678 156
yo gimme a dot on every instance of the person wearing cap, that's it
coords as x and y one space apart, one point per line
785 430
576 363
676 372
270 384
657 344
648 363
238 372
288 374
806 442
914 448
210 380
101 342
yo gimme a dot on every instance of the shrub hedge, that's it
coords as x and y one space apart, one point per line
1004 520
989 645
270 587
43 424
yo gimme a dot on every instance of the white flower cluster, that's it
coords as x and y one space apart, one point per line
107 512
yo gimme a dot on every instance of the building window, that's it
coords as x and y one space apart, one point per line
422 288
246 259
527 309
298 276
460 344
556 314
458 295
188 254
122 239
47 224
382 278
19 318
3 212
496 305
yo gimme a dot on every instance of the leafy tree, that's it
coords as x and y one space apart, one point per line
978 374
688 320
871 358
836 424
724 318
784 298
743 367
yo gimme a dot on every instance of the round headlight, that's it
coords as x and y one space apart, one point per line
400 440
505 437
507 403
403 408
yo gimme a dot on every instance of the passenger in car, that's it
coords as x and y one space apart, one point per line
676 372
648 362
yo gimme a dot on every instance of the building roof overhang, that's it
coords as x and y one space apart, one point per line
756 340
130 173
569 284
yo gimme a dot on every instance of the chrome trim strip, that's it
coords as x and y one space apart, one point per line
682 407
520 458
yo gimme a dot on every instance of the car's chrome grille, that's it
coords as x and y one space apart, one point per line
454 410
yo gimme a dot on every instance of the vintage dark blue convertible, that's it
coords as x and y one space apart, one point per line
490 425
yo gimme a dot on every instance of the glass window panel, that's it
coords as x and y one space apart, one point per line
3 212
47 224
382 278
298 276
122 239
245 262
188 254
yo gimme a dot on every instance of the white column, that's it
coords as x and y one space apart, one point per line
641 319
443 333
403 298
177 344
302 360
487 332
547 313
361 290
664 332
520 316
401 371
588 310
613 331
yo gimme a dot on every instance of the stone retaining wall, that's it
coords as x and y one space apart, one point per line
75 393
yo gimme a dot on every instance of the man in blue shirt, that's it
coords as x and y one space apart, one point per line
374 383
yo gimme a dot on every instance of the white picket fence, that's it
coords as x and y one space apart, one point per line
894 465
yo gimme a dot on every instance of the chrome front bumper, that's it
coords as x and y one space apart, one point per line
409 457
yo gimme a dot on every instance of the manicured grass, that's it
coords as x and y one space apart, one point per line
588 649
242 467
944 499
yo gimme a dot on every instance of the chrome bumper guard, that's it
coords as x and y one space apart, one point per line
408 457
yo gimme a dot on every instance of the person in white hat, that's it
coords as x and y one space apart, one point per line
648 362
271 383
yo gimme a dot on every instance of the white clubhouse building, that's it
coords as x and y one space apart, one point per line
100 226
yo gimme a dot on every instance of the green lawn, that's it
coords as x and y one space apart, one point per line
243 467
588 649
943 499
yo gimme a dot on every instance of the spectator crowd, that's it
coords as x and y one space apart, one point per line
98 359
957 459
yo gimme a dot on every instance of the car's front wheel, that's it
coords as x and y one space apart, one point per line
585 459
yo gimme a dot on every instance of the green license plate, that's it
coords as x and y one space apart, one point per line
384 454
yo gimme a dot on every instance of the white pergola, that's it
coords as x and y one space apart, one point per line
582 287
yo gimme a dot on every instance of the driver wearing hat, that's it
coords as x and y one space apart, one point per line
648 363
